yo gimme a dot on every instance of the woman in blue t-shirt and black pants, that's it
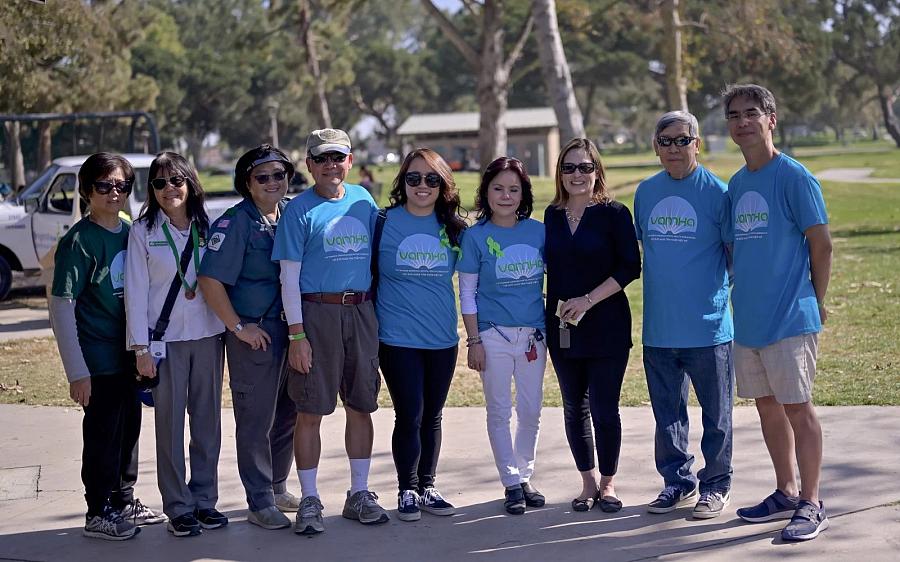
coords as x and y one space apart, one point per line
417 321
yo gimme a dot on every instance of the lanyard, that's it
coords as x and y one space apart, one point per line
269 226
195 240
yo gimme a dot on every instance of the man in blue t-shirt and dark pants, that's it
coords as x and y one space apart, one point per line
324 245
681 219
782 263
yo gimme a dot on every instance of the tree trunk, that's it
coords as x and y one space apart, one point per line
493 88
195 149
886 98
555 69
45 145
676 85
312 63
14 159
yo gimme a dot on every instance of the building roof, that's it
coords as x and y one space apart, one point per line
467 122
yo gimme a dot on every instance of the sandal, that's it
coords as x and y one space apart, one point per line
585 504
610 504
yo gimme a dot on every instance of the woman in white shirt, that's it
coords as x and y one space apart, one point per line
188 359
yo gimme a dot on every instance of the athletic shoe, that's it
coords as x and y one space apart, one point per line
210 518
109 526
434 503
408 506
363 507
140 514
808 521
711 504
287 502
514 504
269 518
184 526
533 498
670 499
309 517
776 506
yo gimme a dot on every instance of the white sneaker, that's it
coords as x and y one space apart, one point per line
287 502
140 514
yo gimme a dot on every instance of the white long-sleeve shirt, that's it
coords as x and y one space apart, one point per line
150 267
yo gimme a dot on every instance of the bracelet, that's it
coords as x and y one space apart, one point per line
297 337
141 351
589 299
473 340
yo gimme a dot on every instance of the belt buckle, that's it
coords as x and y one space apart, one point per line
344 296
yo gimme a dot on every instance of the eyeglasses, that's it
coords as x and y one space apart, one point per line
584 168
683 140
335 157
751 114
263 179
432 179
104 187
174 181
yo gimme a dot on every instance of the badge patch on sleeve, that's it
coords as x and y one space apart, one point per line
215 241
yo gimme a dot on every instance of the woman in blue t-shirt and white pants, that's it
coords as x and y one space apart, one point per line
501 280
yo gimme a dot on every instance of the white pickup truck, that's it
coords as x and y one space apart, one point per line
31 225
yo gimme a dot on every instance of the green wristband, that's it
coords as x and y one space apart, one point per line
297 337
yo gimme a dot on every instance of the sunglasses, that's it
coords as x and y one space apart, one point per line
335 157
584 168
263 179
174 181
677 141
104 187
432 179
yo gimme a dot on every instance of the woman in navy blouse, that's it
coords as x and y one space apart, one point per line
591 254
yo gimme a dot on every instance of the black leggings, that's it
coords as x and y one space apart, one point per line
111 427
418 380
590 389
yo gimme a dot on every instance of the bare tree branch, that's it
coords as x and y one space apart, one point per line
516 51
454 35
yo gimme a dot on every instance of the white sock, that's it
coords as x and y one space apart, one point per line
359 475
308 482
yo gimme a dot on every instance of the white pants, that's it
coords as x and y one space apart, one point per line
504 361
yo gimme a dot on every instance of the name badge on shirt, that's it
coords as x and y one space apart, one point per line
158 350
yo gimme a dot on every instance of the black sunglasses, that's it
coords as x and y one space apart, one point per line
584 168
683 140
432 179
263 179
104 187
335 157
175 181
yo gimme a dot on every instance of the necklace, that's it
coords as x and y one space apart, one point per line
572 218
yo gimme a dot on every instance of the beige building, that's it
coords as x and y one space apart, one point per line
533 137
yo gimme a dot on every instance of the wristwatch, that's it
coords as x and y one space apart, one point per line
237 328
141 351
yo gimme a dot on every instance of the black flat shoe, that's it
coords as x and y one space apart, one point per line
610 504
515 501
579 504
533 498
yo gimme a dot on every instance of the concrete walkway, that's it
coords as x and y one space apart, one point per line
41 505
853 175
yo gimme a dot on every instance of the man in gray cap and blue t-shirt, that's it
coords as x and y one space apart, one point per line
324 246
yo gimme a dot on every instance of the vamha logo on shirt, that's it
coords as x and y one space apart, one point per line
421 251
519 261
673 215
117 273
751 213
344 235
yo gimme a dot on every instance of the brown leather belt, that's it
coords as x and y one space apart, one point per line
346 298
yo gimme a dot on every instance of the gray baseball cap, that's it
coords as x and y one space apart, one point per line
327 140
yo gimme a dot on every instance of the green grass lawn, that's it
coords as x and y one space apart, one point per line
859 353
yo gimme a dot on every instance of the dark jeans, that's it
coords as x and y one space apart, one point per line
711 370
418 380
110 430
590 389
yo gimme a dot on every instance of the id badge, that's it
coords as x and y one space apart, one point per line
564 341
158 350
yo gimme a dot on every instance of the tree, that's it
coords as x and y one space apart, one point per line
676 84
555 67
491 64
308 41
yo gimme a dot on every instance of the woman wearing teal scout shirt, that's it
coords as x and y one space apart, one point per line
188 357
501 283
416 260
241 284
89 322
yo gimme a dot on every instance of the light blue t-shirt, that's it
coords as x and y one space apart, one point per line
682 225
773 295
330 237
416 306
510 267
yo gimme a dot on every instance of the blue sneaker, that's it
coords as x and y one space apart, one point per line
408 506
776 506
808 521
433 502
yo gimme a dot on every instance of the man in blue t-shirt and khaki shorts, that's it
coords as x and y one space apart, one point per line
782 264
324 245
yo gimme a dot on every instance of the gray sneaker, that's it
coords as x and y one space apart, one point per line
287 502
269 518
309 517
140 514
363 506
808 521
711 504
109 526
